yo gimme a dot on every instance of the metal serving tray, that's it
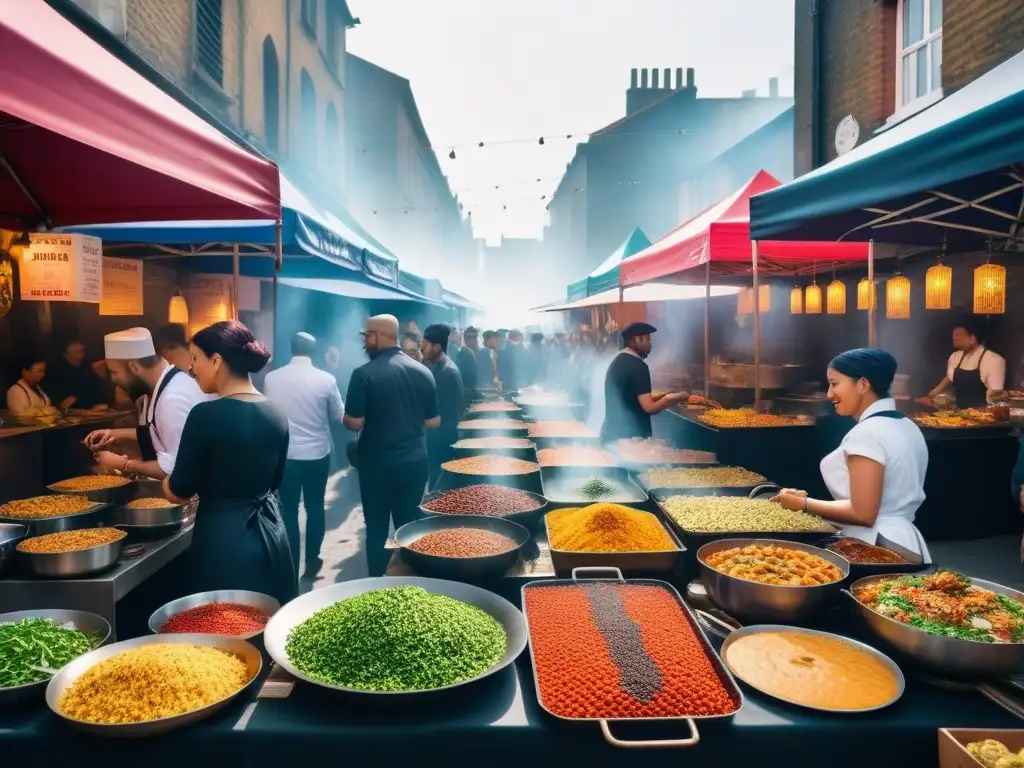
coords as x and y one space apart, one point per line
662 561
74 564
269 605
37 526
913 563
719 490
117 495
523 454
557 479
529 519
605 723
527 481
470 569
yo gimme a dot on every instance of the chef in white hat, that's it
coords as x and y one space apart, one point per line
136 367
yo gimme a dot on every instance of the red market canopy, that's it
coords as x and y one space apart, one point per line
721 235
86 139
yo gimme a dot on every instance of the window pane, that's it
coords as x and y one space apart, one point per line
935 19
936 57
907 82
913 21
922 71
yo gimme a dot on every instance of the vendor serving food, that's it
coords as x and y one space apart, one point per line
629 402
135 367
876 475
972 370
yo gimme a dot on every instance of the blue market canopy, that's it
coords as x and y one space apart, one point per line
353 289
309 235
954 171
606 276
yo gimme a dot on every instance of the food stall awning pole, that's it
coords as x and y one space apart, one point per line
757 329
235 279
707 330
872 294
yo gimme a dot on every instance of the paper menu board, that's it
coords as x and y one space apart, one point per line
60 267
122 286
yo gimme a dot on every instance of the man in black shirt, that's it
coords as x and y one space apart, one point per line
71 379
466 360
392 401
629 404
450 397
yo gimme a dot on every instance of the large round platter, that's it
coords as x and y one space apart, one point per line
89 623
946 656
753 601
119 494
70 565
265 603
301 608
62 681
878 655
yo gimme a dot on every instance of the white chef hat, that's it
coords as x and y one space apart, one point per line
132 344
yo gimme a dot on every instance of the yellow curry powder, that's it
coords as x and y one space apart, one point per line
607 528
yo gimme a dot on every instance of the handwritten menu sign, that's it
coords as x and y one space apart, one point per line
62 268
122 287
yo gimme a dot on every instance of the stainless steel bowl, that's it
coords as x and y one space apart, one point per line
762 628
301 608
62 681
472 569
10 535
751 601
116 495
947 656
69 565
265 603
89 623
37 526
152 517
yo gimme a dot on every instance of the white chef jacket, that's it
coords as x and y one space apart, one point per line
310 399
21 398
899 446
993 366
171 410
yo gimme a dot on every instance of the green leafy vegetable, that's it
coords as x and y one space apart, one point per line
34 649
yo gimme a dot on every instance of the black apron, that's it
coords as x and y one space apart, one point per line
144 432
970 389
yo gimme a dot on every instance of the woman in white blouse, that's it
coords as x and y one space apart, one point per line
26 393
876 475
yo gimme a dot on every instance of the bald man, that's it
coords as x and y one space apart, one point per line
392 401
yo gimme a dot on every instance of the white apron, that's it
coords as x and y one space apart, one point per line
895 527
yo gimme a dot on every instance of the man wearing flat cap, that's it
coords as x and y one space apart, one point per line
450 397
392 402
136 368
629 403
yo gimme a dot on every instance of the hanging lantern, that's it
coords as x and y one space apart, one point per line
177 311
812 299
835 299
6 286
764 298
863 289
990 290
938 287
897 297
796 300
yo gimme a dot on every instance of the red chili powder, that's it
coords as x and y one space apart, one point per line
218 619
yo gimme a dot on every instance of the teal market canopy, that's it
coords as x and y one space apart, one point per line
954 172
606 276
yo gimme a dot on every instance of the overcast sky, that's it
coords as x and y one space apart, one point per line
510 70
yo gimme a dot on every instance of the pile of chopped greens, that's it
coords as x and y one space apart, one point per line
34 649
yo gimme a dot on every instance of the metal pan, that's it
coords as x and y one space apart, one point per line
753 601
67 677
37 526
640 466
119 495
71 565
471 569
523 454
301 608
912 560
514 412
559 484
528 481
89 623
265 603
722 490
665 561
152 517
605 723
738 634
530 519
10 535
491 431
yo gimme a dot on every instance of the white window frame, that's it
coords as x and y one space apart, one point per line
903 111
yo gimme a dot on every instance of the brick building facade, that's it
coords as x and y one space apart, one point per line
882 61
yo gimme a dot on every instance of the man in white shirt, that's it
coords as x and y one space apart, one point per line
972 369
136 367
310 399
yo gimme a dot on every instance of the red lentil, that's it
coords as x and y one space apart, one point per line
560 429
509 425
620 651
490 465
485 500
574 456
218 619
463 542
484 443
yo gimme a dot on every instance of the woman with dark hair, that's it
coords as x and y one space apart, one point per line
232 455
26 393
876 475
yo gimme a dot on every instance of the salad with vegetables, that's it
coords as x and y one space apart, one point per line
946 603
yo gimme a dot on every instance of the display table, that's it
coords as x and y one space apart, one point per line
100 594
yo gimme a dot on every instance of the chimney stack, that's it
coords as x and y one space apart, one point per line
773 87
643 77
679 78
690 77
654 78
751 94
633 75
668 79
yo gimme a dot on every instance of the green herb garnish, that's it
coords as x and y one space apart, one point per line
34 649
596 488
